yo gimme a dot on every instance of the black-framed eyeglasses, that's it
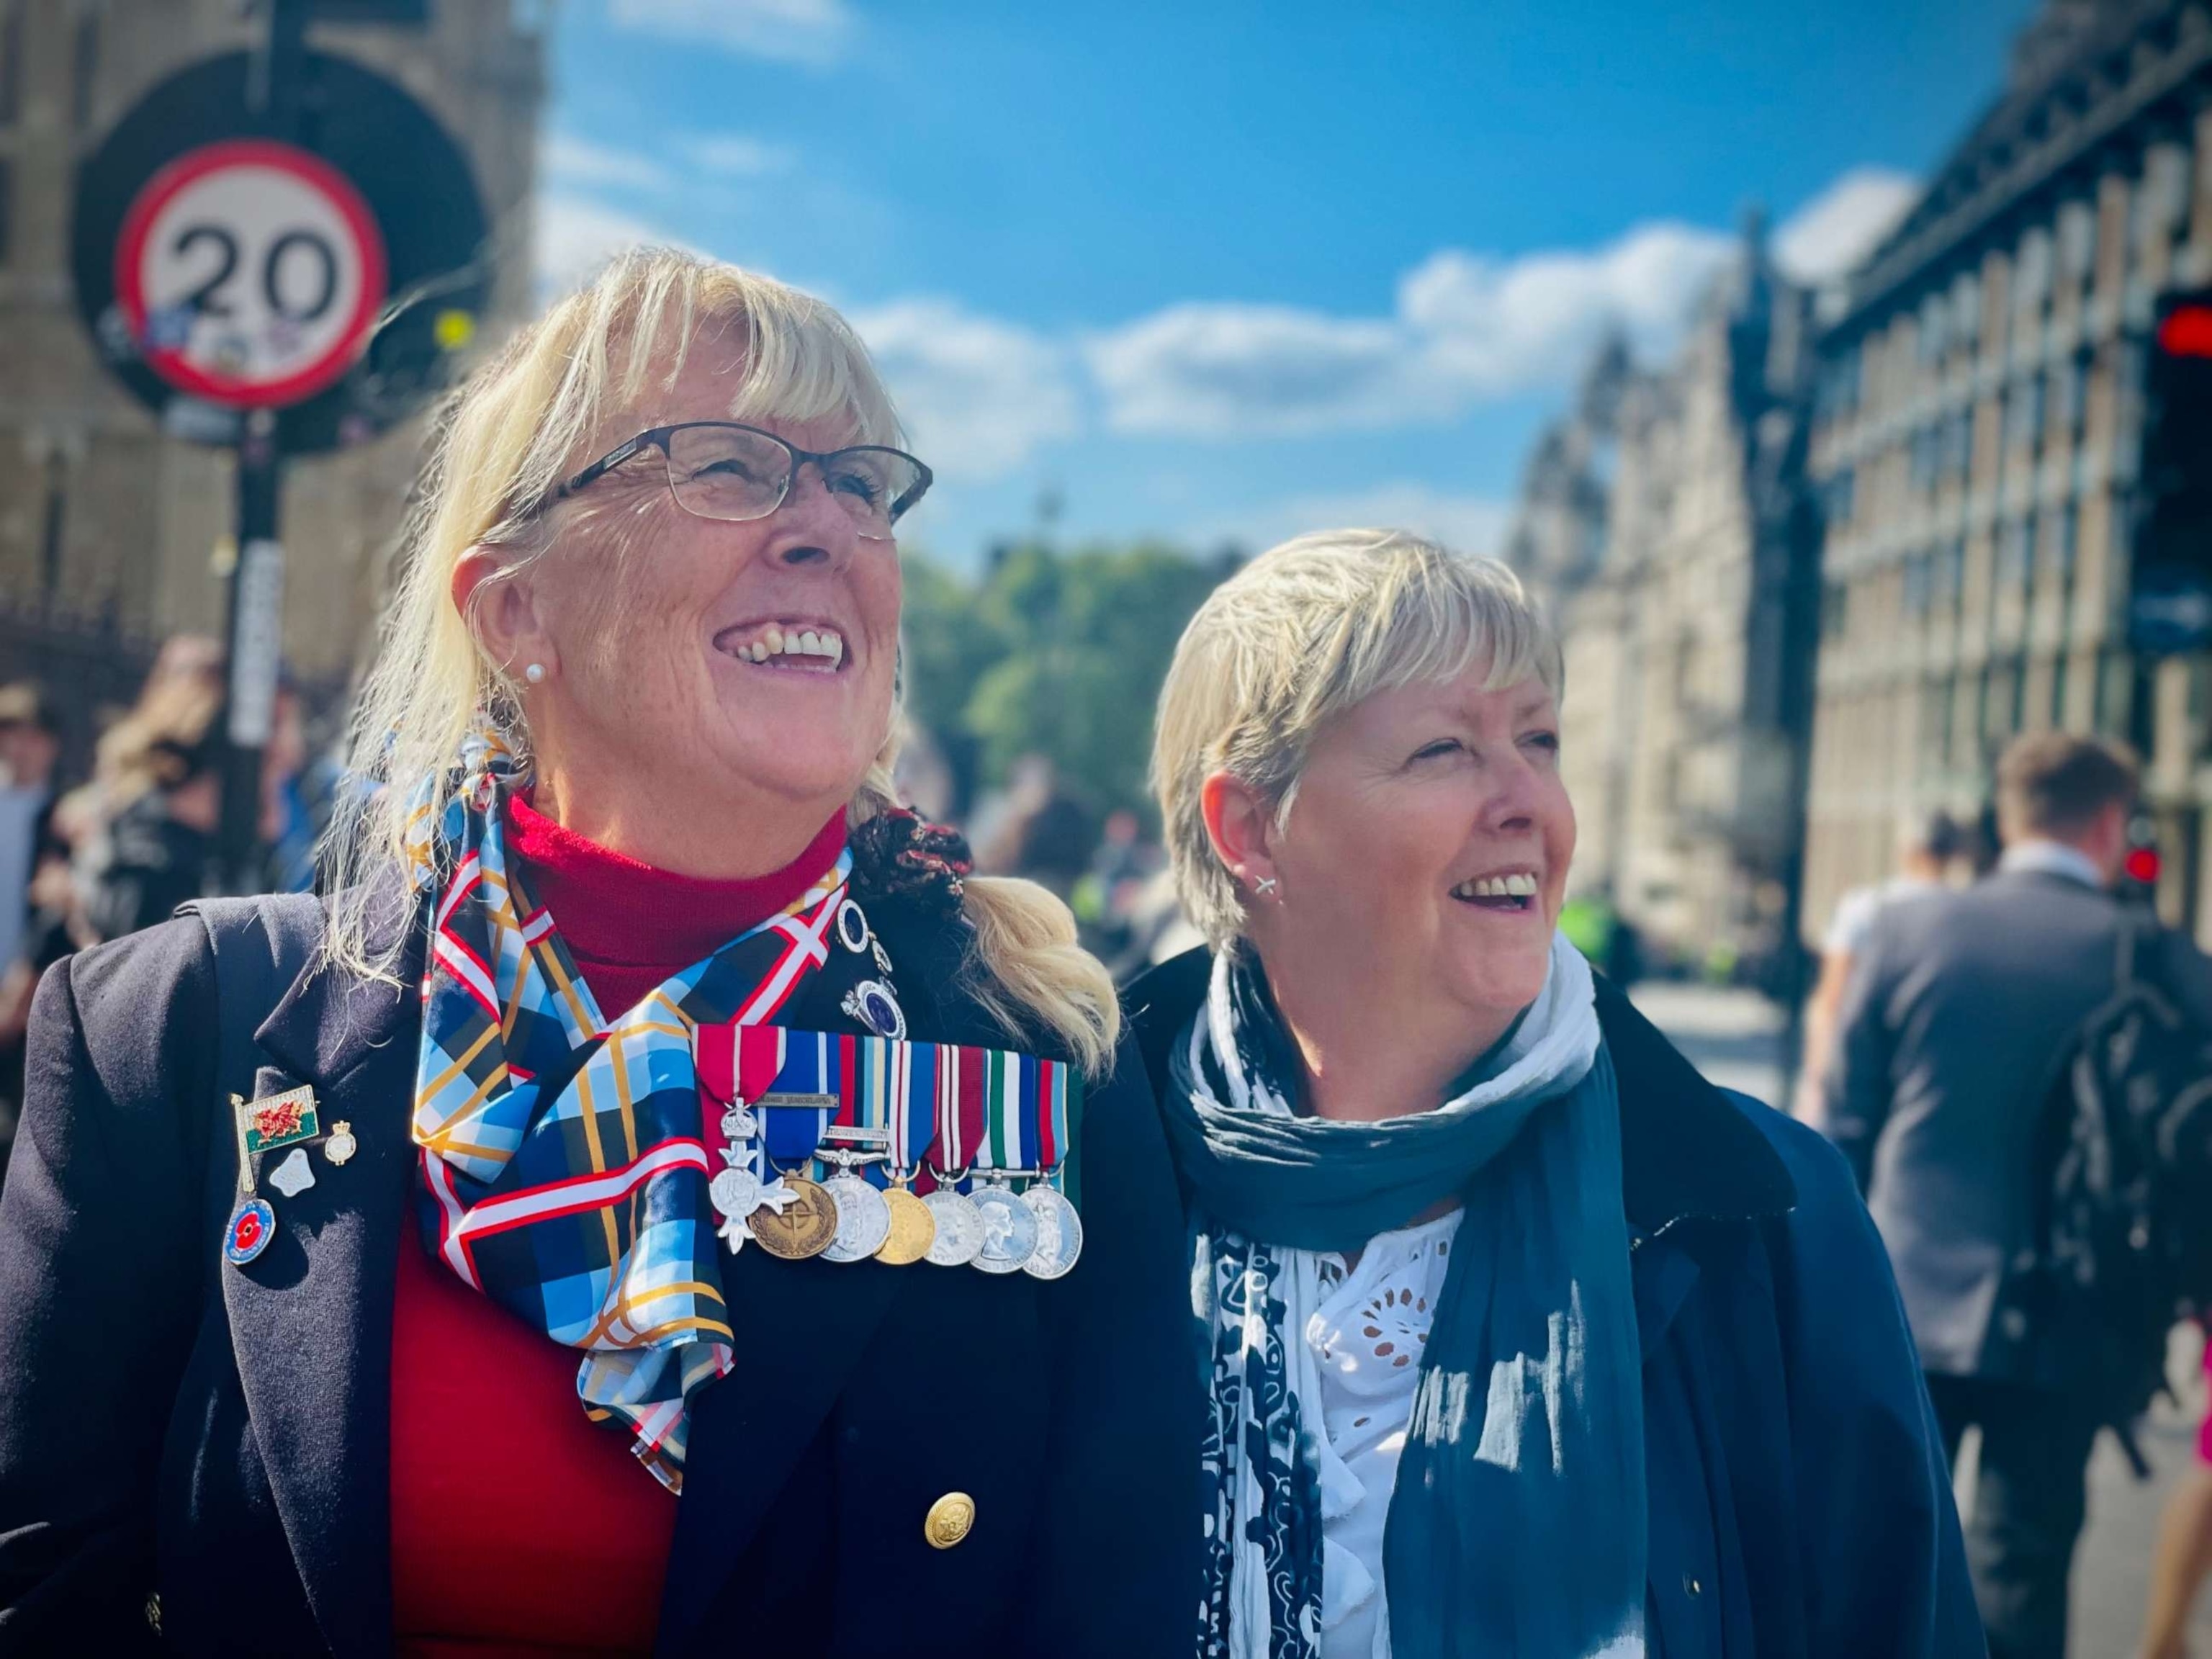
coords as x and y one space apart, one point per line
725 470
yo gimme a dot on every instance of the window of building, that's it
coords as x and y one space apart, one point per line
1926 452
1951 573
1835 601
2077 244
2024 413
7 207
84 69
1958 445
2014 540
1919 583
1840 495
2058 690
1933 321
2069 530
2031 283
11 61
1967 309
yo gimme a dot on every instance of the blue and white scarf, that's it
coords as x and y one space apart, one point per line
1517 1521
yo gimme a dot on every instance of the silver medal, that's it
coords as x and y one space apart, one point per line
959 1229
1010 1229
864 1220
1059 1232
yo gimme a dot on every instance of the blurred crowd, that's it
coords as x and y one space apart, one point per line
116 843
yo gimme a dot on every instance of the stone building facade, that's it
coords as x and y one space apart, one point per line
1975 432
1673 620
112 535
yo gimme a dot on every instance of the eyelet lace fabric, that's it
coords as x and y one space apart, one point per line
1366 1339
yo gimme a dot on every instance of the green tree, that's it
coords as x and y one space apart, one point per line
1053 652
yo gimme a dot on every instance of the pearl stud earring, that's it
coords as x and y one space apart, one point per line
535 673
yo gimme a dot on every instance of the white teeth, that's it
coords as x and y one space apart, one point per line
1517 886
810 642
826 643
833 646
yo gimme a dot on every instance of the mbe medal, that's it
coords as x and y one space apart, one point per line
736 1193
864 1220
959 1229
804 1226
914 1229
1010 1229
1059 1232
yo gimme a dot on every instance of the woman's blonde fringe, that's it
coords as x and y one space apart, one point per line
500 447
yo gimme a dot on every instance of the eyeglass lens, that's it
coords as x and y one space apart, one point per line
718 472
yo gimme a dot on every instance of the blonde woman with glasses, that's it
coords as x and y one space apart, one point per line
1520 1337
662 1204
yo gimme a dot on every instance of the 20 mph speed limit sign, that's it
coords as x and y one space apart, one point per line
251 273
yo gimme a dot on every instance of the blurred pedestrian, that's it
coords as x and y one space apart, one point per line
1925 855
1037 829
2182 1560
1524 1338
30 746
161 801
1961 1006
369 1275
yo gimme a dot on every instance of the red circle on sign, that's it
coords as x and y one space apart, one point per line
248 1230
320 176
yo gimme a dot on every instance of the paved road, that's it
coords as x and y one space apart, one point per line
1735 1038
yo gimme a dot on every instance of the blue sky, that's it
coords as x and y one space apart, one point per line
1208 272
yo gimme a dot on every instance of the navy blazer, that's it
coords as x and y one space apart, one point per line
1800 1500
221 1436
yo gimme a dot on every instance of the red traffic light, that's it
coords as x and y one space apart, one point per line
2186 331
2142 865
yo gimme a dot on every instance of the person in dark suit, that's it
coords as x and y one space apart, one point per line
1959 1008
654 1206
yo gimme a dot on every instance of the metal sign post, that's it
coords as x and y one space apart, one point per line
277 251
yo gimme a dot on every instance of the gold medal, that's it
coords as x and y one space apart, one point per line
806 1225
914 1230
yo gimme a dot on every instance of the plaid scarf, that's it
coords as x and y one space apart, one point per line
563 1172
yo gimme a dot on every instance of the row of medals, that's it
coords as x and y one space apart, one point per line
844 1219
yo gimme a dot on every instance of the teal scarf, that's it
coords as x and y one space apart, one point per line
1516 1524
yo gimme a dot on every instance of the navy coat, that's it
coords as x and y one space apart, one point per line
1800 1502
171 1424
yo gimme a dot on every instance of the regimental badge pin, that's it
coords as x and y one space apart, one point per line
870 1003
278 1121
341 1145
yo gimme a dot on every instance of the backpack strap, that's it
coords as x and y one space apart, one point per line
261 945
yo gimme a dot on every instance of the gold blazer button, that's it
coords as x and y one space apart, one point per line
949 1520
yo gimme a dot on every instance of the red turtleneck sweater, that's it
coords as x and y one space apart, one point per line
519 1530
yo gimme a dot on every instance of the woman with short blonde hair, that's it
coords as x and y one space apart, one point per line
664 1203
1522 1337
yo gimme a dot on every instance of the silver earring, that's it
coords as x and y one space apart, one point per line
535 673
1265 886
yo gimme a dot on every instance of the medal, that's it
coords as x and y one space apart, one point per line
1010 1228
913 1227
864 1219
959 1227
341 1146
804 1224
260 1124
1059 1232
852 931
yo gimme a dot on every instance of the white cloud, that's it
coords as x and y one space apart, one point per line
568 159
1468 523
1465 328
784 30
576 235
1833 233
734 154
978 395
